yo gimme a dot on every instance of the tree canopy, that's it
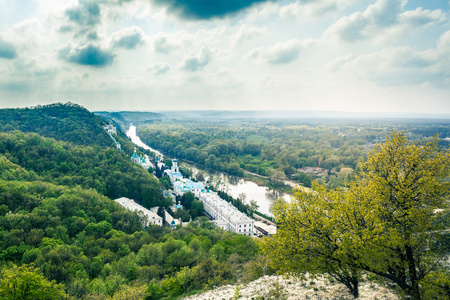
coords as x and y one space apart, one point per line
383 223
108 171
27 283
67 122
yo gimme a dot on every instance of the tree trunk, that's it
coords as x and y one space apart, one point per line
415 290
352 283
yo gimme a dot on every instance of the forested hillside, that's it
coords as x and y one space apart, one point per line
66 122
106 170
98 250
62 236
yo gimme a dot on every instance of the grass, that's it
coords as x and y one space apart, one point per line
264 216
254 138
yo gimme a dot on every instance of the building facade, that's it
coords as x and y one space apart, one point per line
145 163
226 215
149 216
174 173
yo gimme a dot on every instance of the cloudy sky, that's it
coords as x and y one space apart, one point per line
340 55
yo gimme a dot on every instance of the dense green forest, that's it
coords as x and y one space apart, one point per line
66 122
107 171
61 235
98 250
277 149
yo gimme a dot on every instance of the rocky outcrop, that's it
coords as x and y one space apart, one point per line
278 287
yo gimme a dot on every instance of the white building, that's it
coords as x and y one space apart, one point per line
168 217
174 173
187 185
226 215
110 128
150 216
141 160
182 185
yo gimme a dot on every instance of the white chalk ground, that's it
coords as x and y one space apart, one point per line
277 287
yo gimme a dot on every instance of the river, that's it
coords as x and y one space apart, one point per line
131 133
234 186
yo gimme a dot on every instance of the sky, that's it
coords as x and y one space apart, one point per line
333 55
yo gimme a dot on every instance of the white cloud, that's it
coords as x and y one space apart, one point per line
158 68
421 17
301 9
197 61
259 13
248 33
280 53
400 65
167 42
30 34
384 19
128 38
29 75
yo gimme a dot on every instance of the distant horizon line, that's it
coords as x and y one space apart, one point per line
273 113
291 113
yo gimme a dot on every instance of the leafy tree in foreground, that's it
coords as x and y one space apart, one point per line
306 239
28 283
393 207
383 224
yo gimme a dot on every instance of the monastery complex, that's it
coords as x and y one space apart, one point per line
224 213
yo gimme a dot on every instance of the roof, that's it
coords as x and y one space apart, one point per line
131 205
135 156
188 185
173 174
225 208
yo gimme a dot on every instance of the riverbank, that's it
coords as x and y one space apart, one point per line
260 180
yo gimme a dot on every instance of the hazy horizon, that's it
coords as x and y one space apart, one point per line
308 114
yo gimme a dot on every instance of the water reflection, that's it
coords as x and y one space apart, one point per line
236 186
274 194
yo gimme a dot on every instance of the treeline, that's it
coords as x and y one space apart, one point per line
259 148
108 171
278 149
95 249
